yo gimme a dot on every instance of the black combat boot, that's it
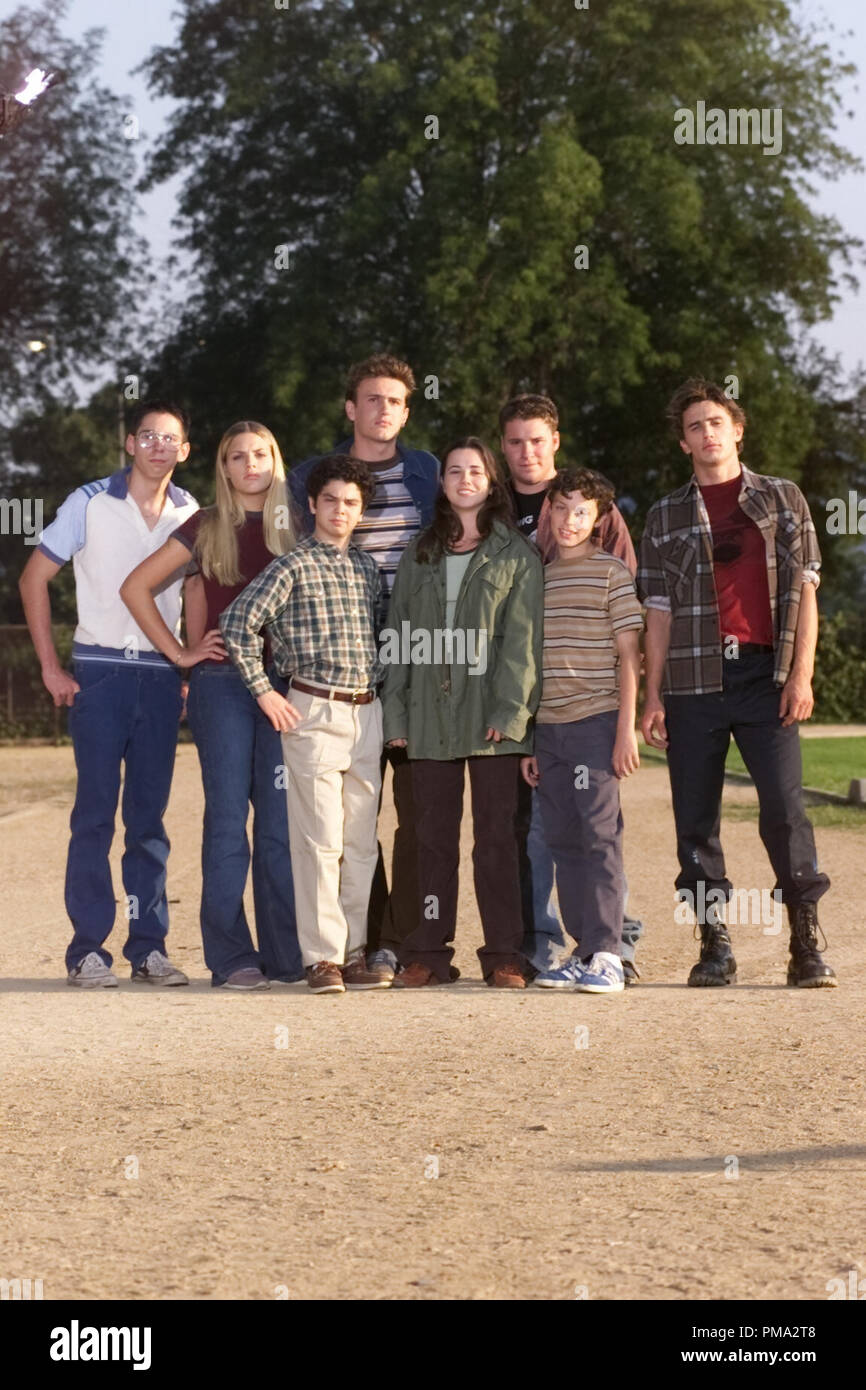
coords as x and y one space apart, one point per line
806 967
716 965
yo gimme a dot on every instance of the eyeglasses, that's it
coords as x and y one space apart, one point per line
148 439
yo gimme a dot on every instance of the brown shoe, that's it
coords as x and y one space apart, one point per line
507 977
325 977
357 974
415 976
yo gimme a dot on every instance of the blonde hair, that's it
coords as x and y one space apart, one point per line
218 534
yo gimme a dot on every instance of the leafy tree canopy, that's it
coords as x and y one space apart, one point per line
429 170
71 266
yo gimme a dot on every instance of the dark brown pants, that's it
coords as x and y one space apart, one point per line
438 797
392 915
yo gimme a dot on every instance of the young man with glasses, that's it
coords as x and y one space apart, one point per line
124 697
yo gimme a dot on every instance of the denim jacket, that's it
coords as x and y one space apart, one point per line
420 475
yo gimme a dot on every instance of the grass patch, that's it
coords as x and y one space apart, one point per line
828 763
822 815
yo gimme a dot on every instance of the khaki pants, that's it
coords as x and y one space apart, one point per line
332 786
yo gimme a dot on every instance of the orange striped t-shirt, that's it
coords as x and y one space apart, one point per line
587 601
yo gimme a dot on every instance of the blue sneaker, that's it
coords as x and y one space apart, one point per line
603 974
565 977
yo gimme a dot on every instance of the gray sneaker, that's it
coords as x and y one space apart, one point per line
248 978
157 969
91 973
383 963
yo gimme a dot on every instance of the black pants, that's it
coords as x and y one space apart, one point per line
438 793
392 915
699 730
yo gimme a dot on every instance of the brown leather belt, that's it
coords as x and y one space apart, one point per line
324 692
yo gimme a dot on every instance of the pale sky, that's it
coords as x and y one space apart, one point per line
134 29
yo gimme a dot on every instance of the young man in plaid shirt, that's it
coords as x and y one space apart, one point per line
728 572
319 604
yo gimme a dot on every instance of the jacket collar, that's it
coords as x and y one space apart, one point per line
752 482
500 536
408 457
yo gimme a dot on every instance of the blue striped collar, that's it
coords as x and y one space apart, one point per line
118 486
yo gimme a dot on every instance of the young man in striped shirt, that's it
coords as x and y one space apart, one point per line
584 730
529 430
405 483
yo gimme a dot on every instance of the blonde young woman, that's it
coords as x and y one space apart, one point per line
239 751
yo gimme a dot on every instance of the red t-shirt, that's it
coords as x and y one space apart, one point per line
253 556
739 566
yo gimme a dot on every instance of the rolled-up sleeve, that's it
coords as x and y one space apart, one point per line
241 623
811 550
652 587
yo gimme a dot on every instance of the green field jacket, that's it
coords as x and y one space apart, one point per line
443 692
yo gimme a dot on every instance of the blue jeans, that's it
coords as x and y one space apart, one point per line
543 944
125 712
241 762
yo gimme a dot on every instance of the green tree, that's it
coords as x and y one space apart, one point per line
54 448
834 466
71 265
430 170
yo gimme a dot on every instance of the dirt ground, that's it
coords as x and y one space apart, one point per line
666 1143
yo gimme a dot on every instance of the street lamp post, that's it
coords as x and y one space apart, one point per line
14 105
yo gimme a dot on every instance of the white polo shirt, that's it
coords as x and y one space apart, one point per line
101 529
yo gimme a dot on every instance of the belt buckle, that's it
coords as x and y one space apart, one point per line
356 696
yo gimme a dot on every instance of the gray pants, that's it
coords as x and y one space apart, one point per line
579 798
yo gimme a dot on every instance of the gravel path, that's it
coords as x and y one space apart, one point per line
662 1144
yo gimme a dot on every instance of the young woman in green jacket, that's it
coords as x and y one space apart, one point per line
462 652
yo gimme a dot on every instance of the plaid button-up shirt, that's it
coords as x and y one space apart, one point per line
675 573
319 608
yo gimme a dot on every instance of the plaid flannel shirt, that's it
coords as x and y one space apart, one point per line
319 607
675 574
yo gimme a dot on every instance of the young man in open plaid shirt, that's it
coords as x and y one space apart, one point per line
319 604
728 572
